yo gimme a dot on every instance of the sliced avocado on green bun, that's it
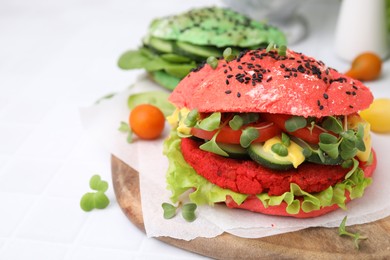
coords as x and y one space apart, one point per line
174 45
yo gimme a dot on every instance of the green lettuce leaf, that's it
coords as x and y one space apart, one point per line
181 178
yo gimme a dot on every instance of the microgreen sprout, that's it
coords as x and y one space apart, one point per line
279 149
125 128
211 122
228 55
248 135
356 236
294 123
187 211
239 120
212 61
282 50
192 118
98 199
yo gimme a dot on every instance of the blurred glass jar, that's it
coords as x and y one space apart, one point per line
279 13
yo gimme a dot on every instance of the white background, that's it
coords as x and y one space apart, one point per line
57 56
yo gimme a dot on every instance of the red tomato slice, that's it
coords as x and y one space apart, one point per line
306 134
227 135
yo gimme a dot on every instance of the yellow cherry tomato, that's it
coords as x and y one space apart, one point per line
147 121
366 66
378 115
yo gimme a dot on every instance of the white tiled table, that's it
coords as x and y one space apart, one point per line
56 56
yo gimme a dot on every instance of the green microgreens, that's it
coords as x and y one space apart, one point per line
294 123
281 49
212 61
98 199
187 211
346 145
279 149
192 118
211 122
239 120
169 210
285 140
270 46
228 55
125 128
212 146
333 124
248 135
108 96
356 236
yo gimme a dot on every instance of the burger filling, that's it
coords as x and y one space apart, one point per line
275 157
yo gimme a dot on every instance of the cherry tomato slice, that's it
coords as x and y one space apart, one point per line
306 134
227 135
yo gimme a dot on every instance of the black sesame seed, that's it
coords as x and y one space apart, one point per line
301 69
282 66
350 106
353 93
227 82
228 91
318 103
229 76
326 96
269 79
240 67
238 94
354 87
348 92
321 107
225 71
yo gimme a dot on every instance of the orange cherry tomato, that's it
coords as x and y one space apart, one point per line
147 121
366 66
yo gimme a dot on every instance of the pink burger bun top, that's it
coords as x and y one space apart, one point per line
264 82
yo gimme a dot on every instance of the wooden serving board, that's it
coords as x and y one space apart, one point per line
311 243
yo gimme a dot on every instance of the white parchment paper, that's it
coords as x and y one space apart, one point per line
102 121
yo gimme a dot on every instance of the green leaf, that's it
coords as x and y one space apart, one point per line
294 123
279 149
330 149
169 210
97 184
212 146
236 122
156 98
328 138
248 135
333 124
133 59
211 122
228 54
356 236
101 200
124 127
87 202
192 118
212 61
282 50
188 211
129 138
285 140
